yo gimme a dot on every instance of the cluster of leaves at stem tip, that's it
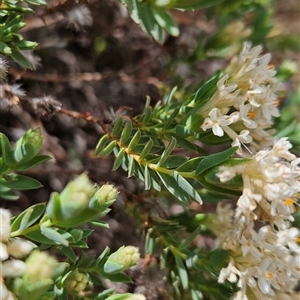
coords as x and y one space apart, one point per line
11 22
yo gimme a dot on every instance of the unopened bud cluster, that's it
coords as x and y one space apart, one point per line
10 250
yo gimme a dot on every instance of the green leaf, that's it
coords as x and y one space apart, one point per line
134 141
126 133
117 127
148 22
165 20
147 149
147 178
189 239
119 159
69 253
154 180
172 186
20 59
132 166
169 120
20 182
194 4
183 275
101 144
214 159
132 8
7 194
112 267
186 186
147 115
5 49
119 277
7 153
108 149
33 162
53 235
24 153
167 152
174 161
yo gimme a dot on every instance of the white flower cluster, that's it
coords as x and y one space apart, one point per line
16 248
245 101
265 263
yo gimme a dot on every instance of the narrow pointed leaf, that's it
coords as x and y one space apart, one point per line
126 133
101 144
172 186
117 127
6 150
167 152
183 275
119 159
165 20
147 178
214 159
108 149
187 187
134 141
147 148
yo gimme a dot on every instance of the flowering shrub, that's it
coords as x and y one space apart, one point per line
217 143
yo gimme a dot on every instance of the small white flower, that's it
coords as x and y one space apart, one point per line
216 121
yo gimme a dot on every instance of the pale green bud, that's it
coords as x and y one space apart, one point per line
40 265
76 282
104 197
13 268
122 259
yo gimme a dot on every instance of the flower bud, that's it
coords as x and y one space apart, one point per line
76 282
5 294
104 197
3 252
13 268
4 225
122 259
19 248
40 265
79 202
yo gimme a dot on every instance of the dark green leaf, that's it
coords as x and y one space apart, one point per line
165 20
108 149
174 161
194 4
167 151
126 133
170 119
20 59
147 115
172 186
214 159
147 148
7 153
187 187
69 253
20 182
134 141
119 159
117 127
33 162
183 275
189 239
